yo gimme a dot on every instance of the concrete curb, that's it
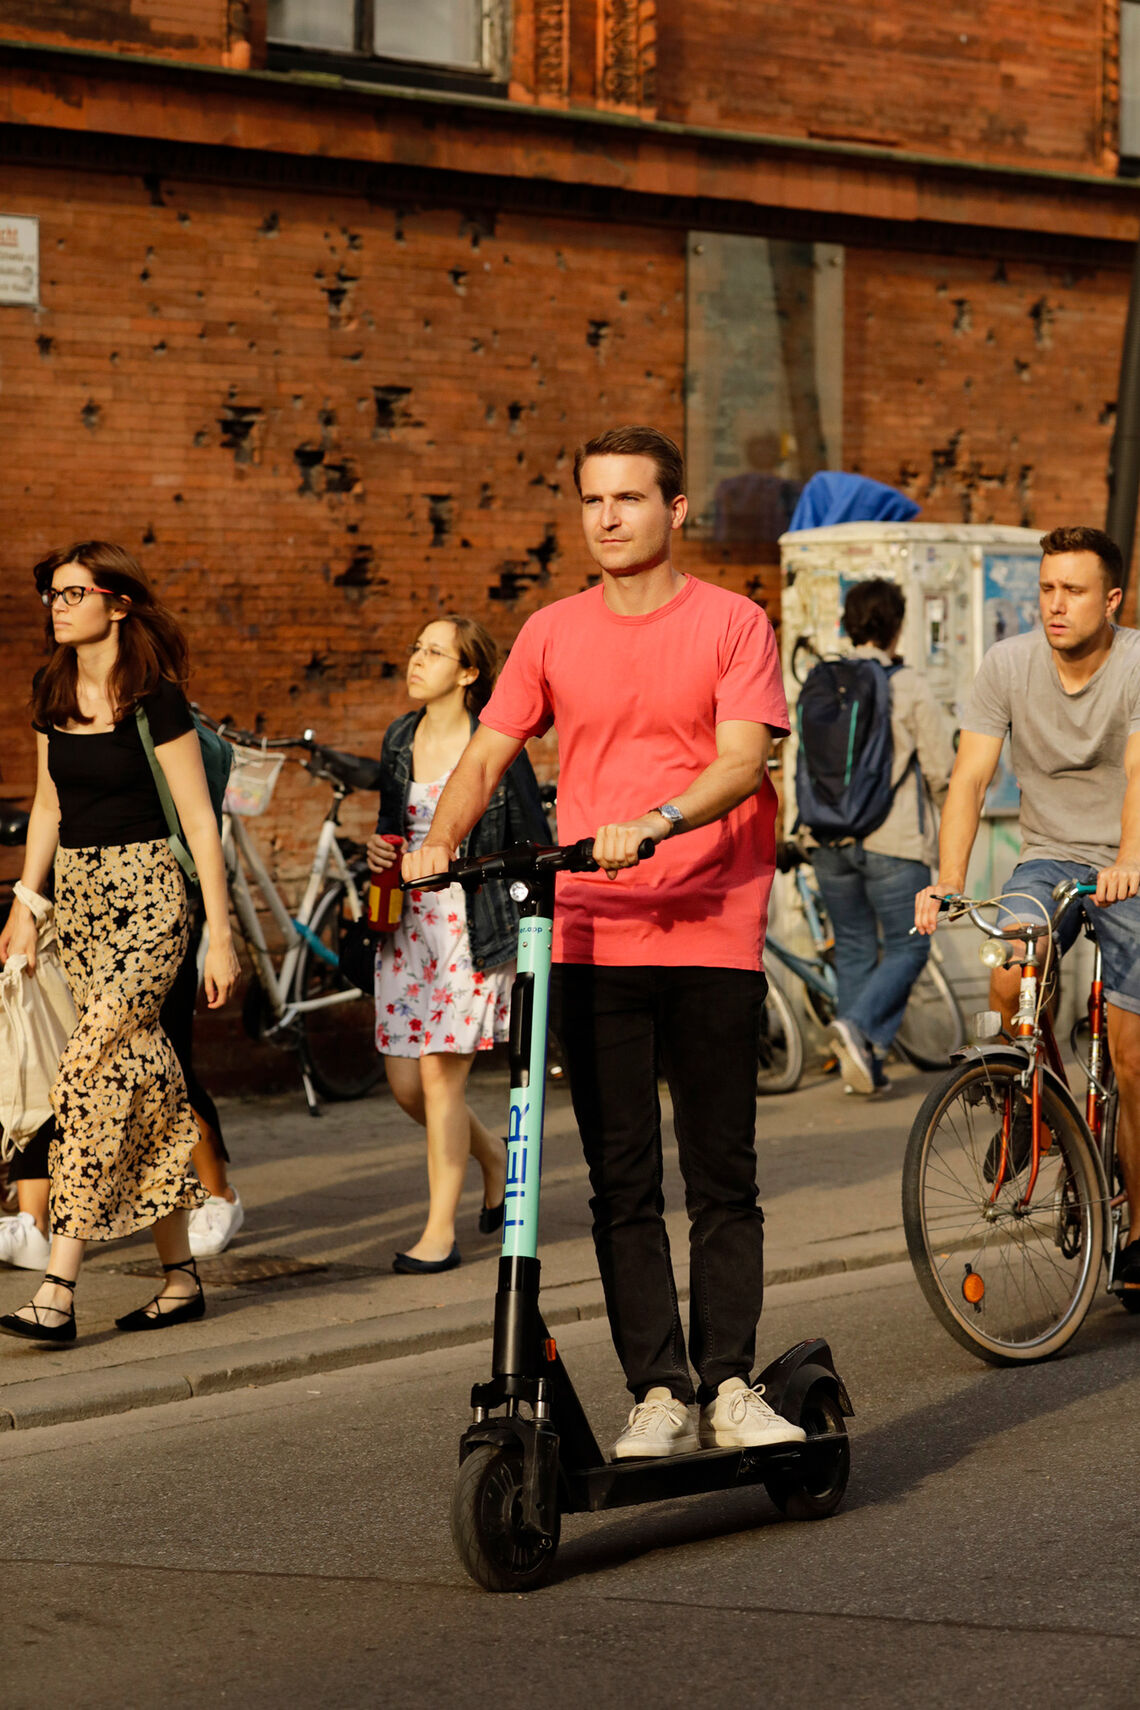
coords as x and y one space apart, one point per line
61 1400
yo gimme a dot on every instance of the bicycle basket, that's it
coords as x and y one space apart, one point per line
252 781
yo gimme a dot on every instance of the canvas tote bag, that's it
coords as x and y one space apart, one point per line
36 1020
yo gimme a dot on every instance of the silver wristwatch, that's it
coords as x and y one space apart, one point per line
672 814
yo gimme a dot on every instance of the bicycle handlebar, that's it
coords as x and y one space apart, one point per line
1064 895
345 771
521 861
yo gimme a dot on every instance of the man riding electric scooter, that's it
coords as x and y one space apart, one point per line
666 692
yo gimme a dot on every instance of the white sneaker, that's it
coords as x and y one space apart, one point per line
854 1058
659 1425
21 1243
740 1419
214 1225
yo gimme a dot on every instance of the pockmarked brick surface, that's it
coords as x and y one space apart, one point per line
1017 81
984 389
319 423
199 30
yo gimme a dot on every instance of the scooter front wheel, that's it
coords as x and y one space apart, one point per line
497 1550
815 1488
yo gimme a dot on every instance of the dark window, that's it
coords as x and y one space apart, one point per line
411 40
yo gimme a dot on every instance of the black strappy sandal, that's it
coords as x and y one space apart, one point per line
193 1307
35 1329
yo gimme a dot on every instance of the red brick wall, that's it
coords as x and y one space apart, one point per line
986 391
1017 81
317 423
200 30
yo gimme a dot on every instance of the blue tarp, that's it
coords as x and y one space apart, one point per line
832 497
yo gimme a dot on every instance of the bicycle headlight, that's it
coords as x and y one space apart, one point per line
994 952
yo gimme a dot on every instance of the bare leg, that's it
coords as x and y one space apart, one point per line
208 1162
32 1196
1124 1049
172 1239
64 1260
444 1079
486 1148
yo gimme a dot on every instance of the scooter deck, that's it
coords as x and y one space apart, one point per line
624 1484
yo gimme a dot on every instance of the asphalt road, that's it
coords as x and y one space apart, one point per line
288 1546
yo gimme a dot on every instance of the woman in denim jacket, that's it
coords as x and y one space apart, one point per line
443 978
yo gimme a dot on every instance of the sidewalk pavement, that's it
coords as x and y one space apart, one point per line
307 1285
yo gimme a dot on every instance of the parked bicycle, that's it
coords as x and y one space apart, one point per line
932 1029
302 1000
1012 1197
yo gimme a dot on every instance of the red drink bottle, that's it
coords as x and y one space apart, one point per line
385 898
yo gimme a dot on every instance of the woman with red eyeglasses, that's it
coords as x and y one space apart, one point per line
120 1159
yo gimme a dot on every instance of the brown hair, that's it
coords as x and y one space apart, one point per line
873 611
1092 540
637 442
152 647
477 651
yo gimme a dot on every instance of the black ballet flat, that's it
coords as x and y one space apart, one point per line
35 1330
491 1217
424 1267
144 1319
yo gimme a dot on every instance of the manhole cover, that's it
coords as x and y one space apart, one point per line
236 1268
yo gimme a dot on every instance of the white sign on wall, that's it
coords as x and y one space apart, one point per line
19 259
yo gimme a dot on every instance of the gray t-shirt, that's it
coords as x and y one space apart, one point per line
1067 750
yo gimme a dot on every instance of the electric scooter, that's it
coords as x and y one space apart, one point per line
529 1455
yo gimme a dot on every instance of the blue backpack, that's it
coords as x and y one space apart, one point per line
843 768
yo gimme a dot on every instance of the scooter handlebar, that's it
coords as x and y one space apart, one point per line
522 861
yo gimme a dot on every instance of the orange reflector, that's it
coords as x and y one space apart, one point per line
550 1348
973 1287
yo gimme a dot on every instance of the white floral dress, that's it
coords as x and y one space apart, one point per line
429 995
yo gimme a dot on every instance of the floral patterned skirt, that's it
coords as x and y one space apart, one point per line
125 1130
429 994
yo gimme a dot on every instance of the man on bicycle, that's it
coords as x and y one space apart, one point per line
665 692
1068 696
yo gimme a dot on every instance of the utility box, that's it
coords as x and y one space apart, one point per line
966 586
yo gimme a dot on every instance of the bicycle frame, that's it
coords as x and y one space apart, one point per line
1036 1047
242 856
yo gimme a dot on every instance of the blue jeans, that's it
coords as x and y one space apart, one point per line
870 899
1116 927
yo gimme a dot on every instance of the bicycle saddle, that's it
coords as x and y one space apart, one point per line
13 825
354 770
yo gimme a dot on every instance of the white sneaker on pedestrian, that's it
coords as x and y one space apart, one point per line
855 1062
21 1244
659 1425
214 1225
740 1418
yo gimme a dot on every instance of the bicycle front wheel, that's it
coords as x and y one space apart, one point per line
781 1045
1010 1283
932 1027
338 1041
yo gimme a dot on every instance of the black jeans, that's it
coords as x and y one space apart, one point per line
619 1028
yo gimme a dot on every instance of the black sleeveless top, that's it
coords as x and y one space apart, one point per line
106 789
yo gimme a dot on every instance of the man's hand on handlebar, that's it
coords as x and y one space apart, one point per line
616 846
1115 883
928 906
422 863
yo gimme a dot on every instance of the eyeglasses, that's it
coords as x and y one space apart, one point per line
74 596
431 652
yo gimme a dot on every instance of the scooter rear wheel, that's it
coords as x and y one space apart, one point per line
496 1549
815 1488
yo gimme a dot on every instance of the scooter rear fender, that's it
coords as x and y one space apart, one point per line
787 1380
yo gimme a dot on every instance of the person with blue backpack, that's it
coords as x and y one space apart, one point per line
125 813
874 760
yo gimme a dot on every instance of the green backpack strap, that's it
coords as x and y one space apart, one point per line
177 840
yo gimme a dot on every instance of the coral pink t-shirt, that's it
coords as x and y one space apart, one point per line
636 701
